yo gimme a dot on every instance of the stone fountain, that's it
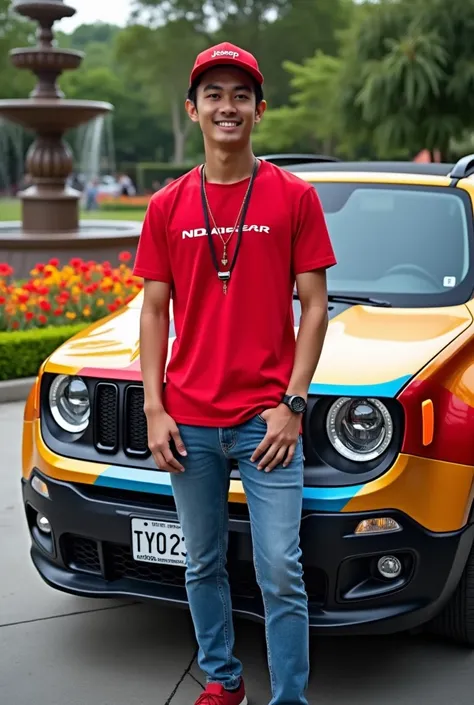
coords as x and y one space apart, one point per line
50 224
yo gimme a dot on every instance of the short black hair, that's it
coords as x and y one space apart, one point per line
192 91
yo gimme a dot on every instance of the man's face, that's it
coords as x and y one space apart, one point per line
226 107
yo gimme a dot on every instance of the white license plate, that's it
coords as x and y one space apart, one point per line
155 541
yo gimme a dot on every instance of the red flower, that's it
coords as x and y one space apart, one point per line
54 262
112 307
2 300
75 262
29 315
23 298
40 267
125 256
42 319
43 290
5 269
45 305
15 325
58 311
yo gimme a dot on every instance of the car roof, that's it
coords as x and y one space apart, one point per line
392 167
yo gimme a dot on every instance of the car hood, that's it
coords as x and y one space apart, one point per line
367 350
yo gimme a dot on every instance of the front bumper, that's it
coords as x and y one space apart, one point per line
89 554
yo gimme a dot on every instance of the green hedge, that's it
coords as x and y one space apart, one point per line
116 207
23 352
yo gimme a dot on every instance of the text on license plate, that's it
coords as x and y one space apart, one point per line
155 541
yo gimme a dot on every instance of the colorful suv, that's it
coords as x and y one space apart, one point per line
388 524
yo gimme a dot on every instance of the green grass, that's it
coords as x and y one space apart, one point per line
10 209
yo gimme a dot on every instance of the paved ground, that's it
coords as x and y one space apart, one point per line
60 650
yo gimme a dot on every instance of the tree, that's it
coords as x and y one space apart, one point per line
15 32
409 74
213 12
311 121
160 59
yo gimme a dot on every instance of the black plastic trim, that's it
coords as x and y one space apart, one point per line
100 447
130 451
464 167
353 599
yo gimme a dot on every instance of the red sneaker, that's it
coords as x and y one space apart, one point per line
215 694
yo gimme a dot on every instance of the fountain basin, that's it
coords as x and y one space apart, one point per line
52 116
99 240
36 60
44 10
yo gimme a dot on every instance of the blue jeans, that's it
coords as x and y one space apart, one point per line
275 503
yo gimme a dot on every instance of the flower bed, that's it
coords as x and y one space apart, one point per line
76 292
123 203
40 314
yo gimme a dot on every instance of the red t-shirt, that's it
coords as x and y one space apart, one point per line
233 354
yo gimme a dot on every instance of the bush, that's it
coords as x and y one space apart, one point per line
23 352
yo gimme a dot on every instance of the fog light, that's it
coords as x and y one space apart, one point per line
43 524
389 566
40 486
379 525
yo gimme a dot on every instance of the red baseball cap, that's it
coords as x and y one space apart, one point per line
226 53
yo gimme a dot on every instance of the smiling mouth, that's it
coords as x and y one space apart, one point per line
228 123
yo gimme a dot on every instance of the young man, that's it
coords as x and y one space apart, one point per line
226 242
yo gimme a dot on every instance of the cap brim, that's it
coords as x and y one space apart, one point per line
222 61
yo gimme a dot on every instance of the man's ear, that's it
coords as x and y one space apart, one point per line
260 109
191 110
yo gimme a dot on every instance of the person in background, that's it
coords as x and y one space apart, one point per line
229 240
91 195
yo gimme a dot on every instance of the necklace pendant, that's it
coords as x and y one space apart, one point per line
224 259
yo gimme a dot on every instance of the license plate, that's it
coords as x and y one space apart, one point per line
155 541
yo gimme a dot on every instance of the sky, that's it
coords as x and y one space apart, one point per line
89 11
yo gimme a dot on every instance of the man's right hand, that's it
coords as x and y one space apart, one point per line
161 429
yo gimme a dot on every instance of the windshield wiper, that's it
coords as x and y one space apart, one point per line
349 299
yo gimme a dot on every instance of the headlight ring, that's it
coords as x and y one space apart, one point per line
359 429
69 403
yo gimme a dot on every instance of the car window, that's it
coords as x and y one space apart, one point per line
391 239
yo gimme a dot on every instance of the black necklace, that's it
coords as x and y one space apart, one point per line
224 276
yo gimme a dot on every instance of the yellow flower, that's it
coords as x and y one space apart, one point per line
86 311
107 282
71 315
117 288
75 290
22 307
100 302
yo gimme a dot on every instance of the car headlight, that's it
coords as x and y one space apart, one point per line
359 429
69 403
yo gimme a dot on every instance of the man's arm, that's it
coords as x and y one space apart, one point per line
154 334
312 293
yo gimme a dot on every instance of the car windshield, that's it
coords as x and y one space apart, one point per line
397 241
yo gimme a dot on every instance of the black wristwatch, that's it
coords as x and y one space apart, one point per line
295 403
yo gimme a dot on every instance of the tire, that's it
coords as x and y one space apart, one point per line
456 621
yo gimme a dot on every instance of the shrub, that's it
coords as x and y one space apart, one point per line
79 292
23 352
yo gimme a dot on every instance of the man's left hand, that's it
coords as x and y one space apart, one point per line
281 439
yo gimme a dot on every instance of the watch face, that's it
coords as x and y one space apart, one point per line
298 404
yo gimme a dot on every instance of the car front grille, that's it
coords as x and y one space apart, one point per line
108 438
